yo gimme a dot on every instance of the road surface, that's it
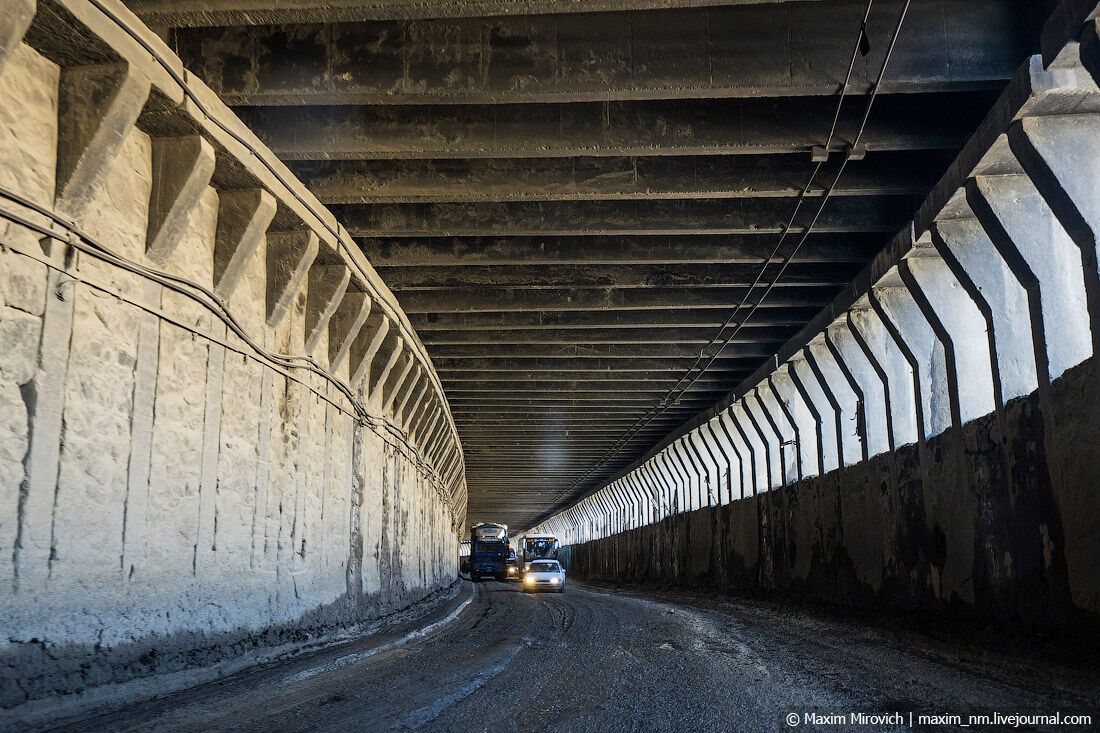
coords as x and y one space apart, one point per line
593 660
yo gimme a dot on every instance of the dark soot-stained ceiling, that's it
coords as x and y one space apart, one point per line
569 205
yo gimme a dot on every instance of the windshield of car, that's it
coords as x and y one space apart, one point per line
543 567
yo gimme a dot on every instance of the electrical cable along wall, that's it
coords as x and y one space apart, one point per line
218 432
928 441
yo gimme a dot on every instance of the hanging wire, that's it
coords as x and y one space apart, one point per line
675 393
198 293
277 174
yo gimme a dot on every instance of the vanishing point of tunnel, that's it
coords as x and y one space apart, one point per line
549 365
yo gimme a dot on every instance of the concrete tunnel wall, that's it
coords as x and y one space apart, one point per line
174 493
993 522
929 441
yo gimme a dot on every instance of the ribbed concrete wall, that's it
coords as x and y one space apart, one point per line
928 440
995 521
172 493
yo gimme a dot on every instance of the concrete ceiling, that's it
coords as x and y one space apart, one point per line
569 204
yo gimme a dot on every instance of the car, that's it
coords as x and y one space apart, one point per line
544 575
512 567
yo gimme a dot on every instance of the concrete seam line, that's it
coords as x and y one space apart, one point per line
396 643
219 124
388 304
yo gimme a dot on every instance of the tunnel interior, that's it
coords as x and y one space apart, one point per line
601 223
786 298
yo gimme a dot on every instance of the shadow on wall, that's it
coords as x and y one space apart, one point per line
994 522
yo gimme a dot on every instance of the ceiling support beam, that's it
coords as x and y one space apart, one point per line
613 178
750 352
445 365
691 127
200 13
666 217
620 250
612 276
473 300
731 51
750 335
683 320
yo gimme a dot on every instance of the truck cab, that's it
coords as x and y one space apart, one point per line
489 551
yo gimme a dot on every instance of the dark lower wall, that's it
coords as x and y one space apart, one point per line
997 521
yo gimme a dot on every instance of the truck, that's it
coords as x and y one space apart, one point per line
488 551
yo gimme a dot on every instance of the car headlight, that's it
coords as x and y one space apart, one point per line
511 571
553 581
528 579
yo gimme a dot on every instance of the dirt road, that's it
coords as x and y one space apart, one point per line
597 661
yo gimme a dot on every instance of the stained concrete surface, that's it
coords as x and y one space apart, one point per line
172 499
992 522
597 659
